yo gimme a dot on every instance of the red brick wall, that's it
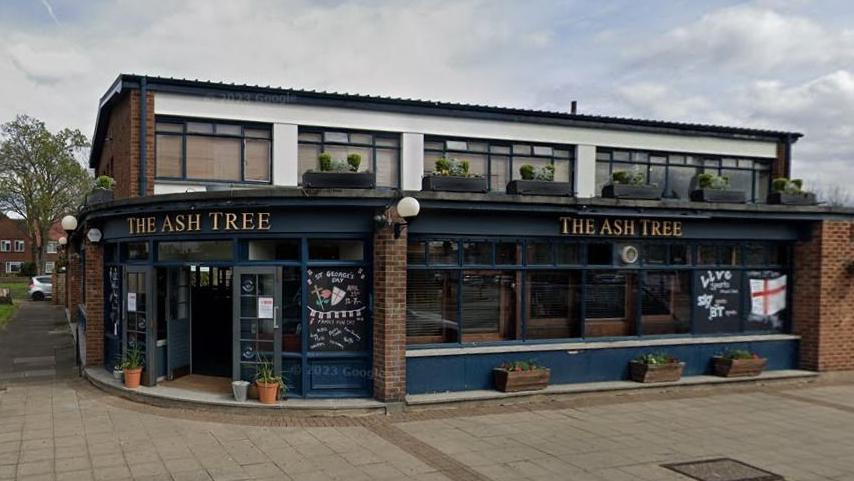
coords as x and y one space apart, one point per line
72 290
389 314
94 304
823 293
120 151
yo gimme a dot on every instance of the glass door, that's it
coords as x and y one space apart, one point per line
139 327
257 320
178 321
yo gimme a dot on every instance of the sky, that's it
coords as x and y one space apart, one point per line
775 64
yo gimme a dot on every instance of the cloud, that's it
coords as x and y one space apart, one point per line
47 62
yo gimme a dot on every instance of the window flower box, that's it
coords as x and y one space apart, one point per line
452 183
520 376
632 191
539 187
719 196
798 198
738 367
338 180
655 368
99 196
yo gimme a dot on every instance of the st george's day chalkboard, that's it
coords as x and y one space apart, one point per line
337 309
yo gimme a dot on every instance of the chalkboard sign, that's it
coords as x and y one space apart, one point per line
337 309
717 303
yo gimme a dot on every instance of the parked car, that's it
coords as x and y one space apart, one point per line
40 288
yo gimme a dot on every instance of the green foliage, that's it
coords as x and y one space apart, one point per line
521 366
105 182
6 312
354 160
28 269
656 358
739 354
787 186
325 160
452 167
266 373
443 166
632 177
527 172
546 173
18 289
133 359
708 180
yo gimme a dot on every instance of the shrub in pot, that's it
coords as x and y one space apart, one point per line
268 382
655 367
337 173
452 175
102 190
738 363
790 192
132 367
631 184
715 188
538 181
520 376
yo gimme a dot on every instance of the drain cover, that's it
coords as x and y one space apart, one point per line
723 469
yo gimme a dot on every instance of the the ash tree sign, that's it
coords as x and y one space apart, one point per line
337 309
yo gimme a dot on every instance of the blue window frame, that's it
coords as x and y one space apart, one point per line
379 151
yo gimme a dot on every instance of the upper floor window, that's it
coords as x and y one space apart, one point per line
5 246
676 173
213 151
51 247
19 246
499 160
379 151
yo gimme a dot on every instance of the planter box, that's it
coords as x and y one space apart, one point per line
670 372
720 196
626 191
539 187
448 183
99 196
738 367
338 180
514 381
804 198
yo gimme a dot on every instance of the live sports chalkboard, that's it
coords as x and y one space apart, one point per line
717 303
337 309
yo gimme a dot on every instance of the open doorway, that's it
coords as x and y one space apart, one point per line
211 295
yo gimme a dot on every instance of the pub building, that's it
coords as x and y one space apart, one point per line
225 245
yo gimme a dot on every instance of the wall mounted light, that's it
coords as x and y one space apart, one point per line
63 240
94 235
407 208
69 223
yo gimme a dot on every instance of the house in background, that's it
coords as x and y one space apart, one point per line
16 248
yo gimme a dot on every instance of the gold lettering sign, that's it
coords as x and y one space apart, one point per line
618 227
194 222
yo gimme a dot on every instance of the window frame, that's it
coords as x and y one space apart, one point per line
5 246
21 243
183 121
375 134
9 265
510 155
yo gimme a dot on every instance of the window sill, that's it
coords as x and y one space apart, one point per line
588 345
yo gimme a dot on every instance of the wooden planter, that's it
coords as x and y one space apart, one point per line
450 183
719 196
803 198
513 381
99 196
738 367
669 372
539 187
338 180
626 191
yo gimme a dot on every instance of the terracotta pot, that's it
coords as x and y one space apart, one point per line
267 393
132 377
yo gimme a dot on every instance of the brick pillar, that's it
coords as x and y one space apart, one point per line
72 287
389 314
58 279
94 279
823 293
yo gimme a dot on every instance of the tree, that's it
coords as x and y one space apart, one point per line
40 177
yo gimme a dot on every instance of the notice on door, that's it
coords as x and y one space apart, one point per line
337 309
131 301
265 307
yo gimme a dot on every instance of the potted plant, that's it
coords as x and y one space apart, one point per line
452 175
520 376
630 185
790 192
267 382
538 181
656 367
132 367
117 368
738 363
337 173
102 191
715 188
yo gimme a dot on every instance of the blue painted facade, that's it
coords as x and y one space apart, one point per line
474 371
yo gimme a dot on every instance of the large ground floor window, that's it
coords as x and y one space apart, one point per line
487 290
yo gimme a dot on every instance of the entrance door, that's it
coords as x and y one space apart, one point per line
257 320
139 326
178 321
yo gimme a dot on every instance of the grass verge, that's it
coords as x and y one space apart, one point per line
19 289
6 313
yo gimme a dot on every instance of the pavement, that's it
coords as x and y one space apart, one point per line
56 426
